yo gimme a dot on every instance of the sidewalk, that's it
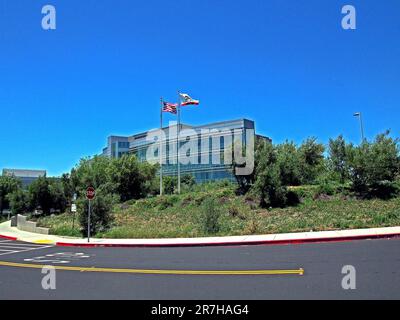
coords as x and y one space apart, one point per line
273 239
6 231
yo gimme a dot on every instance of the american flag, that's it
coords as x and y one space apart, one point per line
170 107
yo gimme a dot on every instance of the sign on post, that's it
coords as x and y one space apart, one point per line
90 195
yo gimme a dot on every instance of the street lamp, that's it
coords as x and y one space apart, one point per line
358 114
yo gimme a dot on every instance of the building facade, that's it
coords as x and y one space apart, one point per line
26 176
117 146
204 151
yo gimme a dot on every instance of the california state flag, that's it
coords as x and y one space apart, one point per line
186 100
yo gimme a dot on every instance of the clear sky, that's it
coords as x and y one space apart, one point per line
286 64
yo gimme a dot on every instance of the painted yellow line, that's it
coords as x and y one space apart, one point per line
150 271
43 241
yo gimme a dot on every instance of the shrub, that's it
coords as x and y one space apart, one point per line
253 226
8 185
233 211
18 202
338 152
374 167
384 189
311 157
187 200
292 198
169 184
289 164
210 216
268 187
100 217
131 179
188 181
327 186
167 201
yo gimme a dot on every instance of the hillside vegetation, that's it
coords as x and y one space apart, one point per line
186 215
292 188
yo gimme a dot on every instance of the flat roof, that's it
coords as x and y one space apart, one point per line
138 135
24 173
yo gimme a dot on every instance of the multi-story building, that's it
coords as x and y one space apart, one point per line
117 146
26 176
203 150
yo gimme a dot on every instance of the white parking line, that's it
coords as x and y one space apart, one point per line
6 250
27 244
1 241
4 253
18 247
25 250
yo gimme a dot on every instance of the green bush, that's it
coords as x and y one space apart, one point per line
170 184
165 202
374 167
8 185
233 211
187 181
268 186
327 186
100 217
384 189
210 216
18 201
338 153
292 198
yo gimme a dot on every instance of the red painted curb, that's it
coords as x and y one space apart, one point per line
239 243
8 238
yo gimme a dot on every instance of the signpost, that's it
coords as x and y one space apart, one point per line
73 209
90 195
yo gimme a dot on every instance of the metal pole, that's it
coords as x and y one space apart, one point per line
160 148
177 142
89 223
362 128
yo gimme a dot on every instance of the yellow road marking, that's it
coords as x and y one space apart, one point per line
150 271
43 241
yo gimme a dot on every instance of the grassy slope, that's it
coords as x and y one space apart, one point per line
180 216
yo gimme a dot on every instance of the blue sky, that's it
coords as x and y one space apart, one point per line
288 65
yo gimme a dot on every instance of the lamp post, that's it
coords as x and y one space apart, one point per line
359 116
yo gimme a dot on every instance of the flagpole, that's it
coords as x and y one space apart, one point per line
177 142
160 148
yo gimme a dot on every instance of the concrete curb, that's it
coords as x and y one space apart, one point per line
230 243
8 238
12 233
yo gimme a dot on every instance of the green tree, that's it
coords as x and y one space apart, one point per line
170 184
131 179
268 186
58 197
101 216
68 186
92 172
19 201
311 158
374 166
40 195
8 185
338 157
289 164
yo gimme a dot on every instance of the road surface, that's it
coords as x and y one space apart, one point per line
377 264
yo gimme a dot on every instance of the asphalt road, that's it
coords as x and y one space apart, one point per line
377 264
